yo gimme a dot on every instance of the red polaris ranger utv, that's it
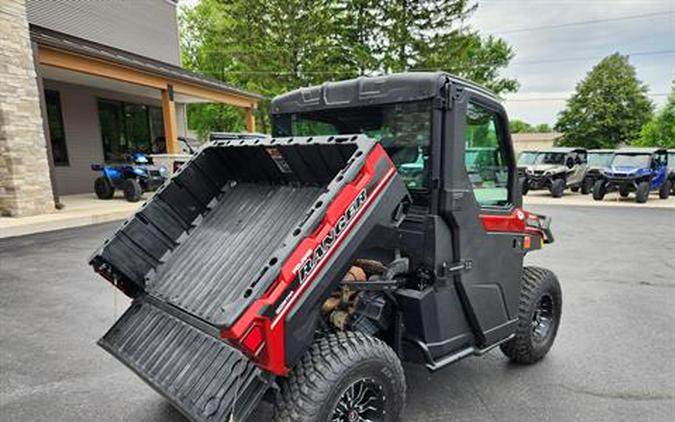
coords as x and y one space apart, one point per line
380 223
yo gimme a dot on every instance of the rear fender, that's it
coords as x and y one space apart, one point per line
315 267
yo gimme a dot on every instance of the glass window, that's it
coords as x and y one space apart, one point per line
527 158
157 130
551 158
127 128
57 132
404 130
599 159
137 127
632 160
484 159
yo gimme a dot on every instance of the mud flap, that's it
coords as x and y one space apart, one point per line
206 379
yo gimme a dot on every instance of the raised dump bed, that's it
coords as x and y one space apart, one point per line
228 262
215 237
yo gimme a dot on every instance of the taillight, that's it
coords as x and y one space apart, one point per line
253 341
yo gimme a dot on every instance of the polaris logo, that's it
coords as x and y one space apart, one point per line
315 256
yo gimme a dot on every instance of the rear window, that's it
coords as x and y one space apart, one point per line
404 130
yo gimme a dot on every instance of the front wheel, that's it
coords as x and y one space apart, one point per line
664 192
133 192
525 187
624 191
586 186
347 376
538 316
642 192
557 188
599 190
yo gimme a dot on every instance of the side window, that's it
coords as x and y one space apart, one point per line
661 159
57 132
484 159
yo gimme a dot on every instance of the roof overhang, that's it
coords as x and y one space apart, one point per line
75 54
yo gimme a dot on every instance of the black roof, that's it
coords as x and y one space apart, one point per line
58 40
634 150
365 91
563 150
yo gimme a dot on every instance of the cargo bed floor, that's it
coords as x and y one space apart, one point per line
226 251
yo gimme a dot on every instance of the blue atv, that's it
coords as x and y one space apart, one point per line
132 178
639 170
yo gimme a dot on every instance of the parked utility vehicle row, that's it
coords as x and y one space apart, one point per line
627 170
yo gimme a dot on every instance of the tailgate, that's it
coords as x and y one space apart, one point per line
203 377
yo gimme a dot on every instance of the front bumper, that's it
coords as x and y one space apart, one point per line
613 182
535 182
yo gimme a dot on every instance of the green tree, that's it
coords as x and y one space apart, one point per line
272 46
543 128
609 107
519 126
660 131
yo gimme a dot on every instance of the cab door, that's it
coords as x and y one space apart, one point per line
480 212
659 167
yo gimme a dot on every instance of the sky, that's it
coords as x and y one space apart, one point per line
551 60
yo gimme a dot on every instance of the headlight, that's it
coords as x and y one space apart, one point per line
162 170
528 171
139 172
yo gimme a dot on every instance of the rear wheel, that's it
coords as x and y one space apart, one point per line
103 188
132 190
624 191
586 186
599 190
557 188
642 192
344 377
664 192
539 314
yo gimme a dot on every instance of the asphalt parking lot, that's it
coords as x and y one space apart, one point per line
613 360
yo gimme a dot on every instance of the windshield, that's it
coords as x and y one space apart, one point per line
631 160
600 159
671 159
550 158
404 130
526 158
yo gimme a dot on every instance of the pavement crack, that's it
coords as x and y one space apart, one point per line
640 283
621 395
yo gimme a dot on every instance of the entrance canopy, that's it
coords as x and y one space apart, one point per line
83 62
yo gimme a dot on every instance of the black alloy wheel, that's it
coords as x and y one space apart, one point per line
361 401
543 319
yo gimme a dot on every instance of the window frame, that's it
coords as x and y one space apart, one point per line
54 93
122 124
505 146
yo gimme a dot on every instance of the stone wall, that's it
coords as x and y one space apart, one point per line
25 186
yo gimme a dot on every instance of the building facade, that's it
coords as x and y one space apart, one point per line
534 141
86 82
